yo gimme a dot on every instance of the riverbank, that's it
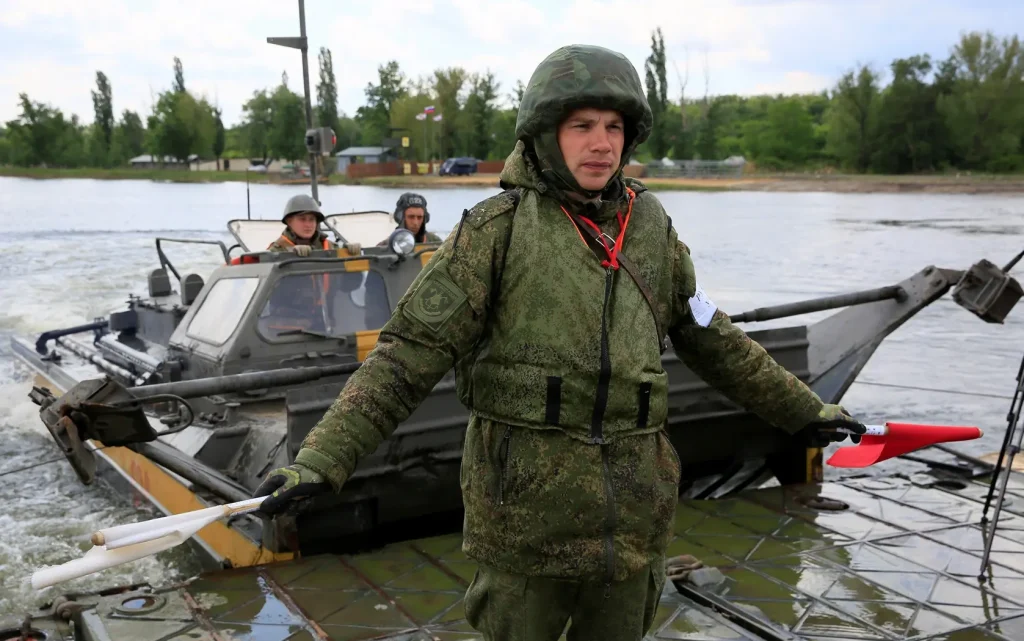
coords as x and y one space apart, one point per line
836 183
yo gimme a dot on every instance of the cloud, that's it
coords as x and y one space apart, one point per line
51 49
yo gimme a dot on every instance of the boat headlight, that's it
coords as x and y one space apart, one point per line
402 242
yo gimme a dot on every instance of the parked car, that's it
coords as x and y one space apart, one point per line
458 167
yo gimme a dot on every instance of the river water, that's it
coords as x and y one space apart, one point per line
71 250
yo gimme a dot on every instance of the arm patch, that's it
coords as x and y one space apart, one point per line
702 308
436 299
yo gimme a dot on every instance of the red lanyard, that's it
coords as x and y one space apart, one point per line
613 251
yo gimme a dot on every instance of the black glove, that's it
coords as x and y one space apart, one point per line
287 486
832 425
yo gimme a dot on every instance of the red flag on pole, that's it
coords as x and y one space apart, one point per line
882 442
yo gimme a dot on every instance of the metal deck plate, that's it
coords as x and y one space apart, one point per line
872 559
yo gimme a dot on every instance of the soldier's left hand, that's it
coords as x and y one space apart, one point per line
354 248
285 487
832 425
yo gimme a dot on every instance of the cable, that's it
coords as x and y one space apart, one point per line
164 397
933 389
55 460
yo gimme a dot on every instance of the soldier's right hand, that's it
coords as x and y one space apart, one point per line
286 486
832 425
301 250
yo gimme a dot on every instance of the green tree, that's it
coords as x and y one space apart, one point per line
707 131
181 126
5 148
504 133
348 132
179 76
375 116
911 133
218 136
128 139
480 112
984 111
657 95
405 113
517 95
258 120
103 119
41 135
787 139
448 84
327 94
71 150
853 118
288 123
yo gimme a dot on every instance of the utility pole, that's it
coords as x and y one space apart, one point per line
302 44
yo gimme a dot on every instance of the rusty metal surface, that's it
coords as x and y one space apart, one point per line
874 559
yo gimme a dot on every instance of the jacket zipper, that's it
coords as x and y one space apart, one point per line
609 523
604 378
597 437
503 460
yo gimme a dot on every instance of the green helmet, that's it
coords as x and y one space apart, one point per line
570 78
584 76
301 204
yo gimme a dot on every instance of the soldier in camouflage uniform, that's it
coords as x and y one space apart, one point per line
552 301
411 213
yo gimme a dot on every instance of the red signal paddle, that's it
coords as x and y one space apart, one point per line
882 442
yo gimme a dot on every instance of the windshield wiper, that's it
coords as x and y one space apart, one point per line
309 332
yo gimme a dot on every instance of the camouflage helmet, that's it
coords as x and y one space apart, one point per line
301 204
407 200
571 78
577 76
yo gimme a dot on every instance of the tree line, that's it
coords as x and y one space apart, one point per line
963 112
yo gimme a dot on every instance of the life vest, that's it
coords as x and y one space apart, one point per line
598 376
326 279
288 241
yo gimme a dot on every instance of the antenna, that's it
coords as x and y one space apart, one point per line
248 211
302 44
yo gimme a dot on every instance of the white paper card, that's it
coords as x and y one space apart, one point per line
702 308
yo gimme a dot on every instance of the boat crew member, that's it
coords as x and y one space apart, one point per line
299 304
569 479
302 218
411 213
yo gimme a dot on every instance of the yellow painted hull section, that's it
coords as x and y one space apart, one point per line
169 494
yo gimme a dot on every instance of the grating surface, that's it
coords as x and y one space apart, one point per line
873 559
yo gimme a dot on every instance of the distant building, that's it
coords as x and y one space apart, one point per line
364 154
206 165
146 161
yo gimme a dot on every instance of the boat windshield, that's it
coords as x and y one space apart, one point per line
329 303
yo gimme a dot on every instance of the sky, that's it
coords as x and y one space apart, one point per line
51 49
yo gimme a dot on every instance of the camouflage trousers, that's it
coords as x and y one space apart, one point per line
512 607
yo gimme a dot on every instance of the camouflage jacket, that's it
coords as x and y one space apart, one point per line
538 500
288 239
